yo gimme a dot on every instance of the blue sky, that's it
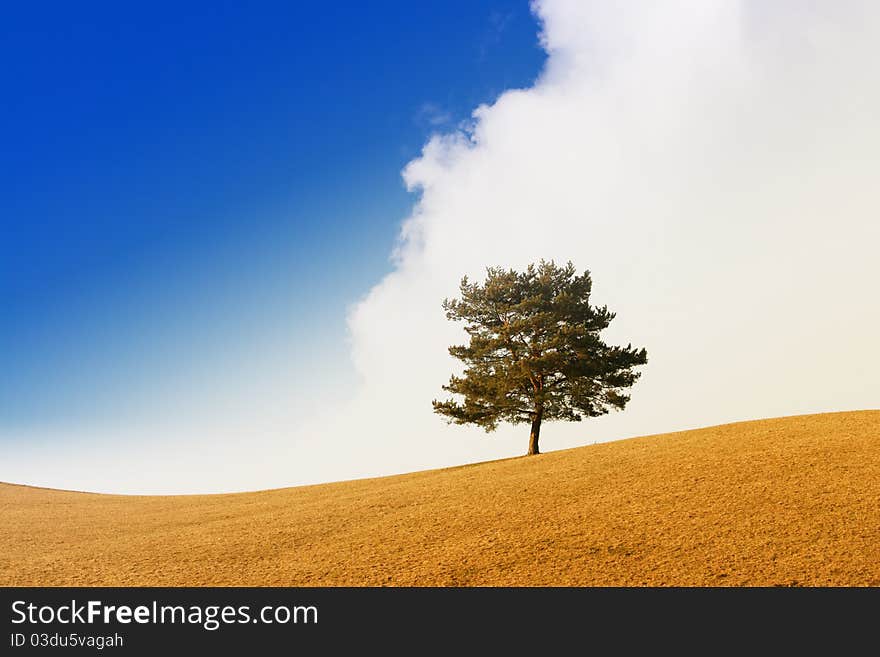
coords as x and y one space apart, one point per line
183 186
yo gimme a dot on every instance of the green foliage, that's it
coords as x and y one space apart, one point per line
535 351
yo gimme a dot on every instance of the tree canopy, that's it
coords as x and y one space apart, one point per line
535 352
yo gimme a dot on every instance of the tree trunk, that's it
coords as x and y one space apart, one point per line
536 432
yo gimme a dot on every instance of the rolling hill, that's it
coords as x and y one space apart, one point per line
786 501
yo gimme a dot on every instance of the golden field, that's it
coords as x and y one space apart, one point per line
787 501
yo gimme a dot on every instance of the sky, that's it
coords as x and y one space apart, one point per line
227 229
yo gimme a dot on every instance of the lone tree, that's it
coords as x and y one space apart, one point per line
535 352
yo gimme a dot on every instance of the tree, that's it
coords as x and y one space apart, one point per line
535 353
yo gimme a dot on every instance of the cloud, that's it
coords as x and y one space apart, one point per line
498 23
713 164
432 115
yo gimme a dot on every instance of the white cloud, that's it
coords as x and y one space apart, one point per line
713 163
433 115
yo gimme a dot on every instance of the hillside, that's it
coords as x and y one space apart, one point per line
788 501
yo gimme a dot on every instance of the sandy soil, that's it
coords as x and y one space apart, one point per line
788 501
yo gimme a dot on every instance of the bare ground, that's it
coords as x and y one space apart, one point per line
787 501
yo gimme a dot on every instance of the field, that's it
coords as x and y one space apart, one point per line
787 501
